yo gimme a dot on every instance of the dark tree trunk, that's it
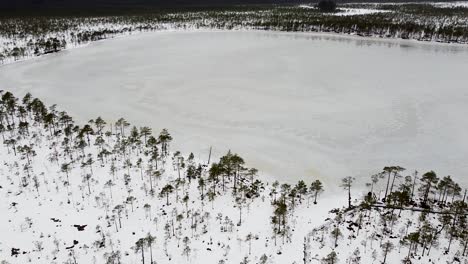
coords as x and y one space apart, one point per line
388 183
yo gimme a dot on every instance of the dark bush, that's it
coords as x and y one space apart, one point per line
327 5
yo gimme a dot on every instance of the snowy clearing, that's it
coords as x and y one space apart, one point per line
450 4
350 11
358 11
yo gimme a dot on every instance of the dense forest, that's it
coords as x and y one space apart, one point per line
64 5
34 35
110 192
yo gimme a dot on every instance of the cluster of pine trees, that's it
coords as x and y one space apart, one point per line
438 217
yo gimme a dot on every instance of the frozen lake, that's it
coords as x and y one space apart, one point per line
293 105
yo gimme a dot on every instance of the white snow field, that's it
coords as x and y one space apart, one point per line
451 4
350 11
295 106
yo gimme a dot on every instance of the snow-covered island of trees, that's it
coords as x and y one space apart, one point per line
109 192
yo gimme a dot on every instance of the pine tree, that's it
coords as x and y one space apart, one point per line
165 138
140 247
336 234
165 191
346 183
428 182
301 189
316 188
331 258
387 247
149 241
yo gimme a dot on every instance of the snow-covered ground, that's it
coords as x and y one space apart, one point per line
346 11
450 4
95 194
297 106
437 4
358 11
41 204
355 11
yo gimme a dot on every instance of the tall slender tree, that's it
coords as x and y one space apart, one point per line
347 183
316 188
140 247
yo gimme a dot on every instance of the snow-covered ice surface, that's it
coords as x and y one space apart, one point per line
293 105
267 95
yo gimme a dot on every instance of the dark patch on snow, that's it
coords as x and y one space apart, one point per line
80 227
15 252
75 242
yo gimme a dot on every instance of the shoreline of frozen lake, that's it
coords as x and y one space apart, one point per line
295 105
329 35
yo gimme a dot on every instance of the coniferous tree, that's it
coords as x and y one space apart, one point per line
316 188
428 182
149 239
164 138
336 234
331 258
387 247
140 247
388 170
165 191
301 189
145 132
99 123
347 183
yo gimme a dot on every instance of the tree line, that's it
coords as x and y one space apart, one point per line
36 35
